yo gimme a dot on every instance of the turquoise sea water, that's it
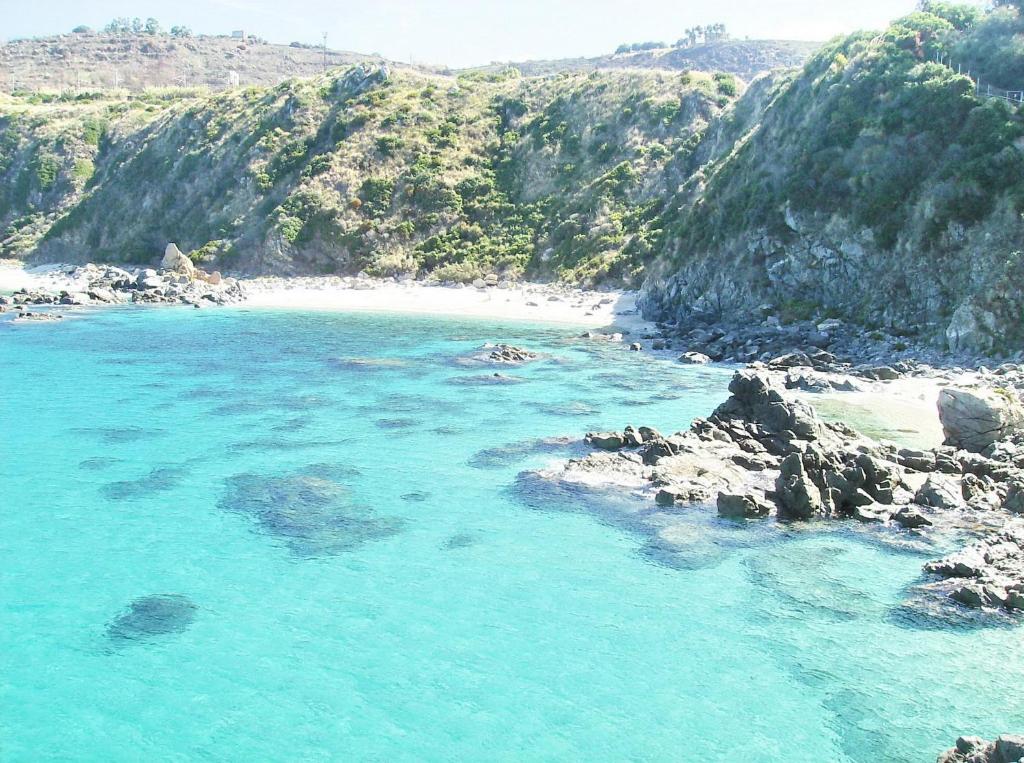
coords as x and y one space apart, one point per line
337 496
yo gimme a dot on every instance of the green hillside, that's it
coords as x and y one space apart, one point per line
874 184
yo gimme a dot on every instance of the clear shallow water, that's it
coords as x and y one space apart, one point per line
413 603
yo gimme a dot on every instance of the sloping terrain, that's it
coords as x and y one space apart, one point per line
744 58
875 184
135 62
361 170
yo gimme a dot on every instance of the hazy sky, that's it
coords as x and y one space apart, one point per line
461 32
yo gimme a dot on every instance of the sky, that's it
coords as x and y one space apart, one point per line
462 33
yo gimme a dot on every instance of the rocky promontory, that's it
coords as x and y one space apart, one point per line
764 455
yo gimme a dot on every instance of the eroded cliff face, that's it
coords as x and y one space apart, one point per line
969 297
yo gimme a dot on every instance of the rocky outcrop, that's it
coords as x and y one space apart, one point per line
975 419
761 454
506 353
1007 748
743 506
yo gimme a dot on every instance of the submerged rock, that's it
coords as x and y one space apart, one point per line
314 516
156 615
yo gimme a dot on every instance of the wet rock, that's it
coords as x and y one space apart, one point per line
911 518
506 353
872 513
994 569
606 440
694 358
1007 748
743 506
975 419
157 615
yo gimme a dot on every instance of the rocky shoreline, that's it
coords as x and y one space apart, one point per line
763 454
177 281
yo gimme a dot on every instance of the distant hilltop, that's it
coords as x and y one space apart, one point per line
136 61
744 58
125 58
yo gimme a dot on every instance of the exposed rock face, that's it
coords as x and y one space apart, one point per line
972 328
976 419
1007 748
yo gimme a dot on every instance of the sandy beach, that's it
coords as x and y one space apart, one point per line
531 302
543 303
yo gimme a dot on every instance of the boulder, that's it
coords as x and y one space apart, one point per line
177 262
940 492
974 419
743 506
911 518
606 440
694 358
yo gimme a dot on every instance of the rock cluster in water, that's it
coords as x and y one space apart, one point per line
761 454
1007 748
506 353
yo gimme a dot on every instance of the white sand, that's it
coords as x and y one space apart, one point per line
539 303
529 302
904 411
14 276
